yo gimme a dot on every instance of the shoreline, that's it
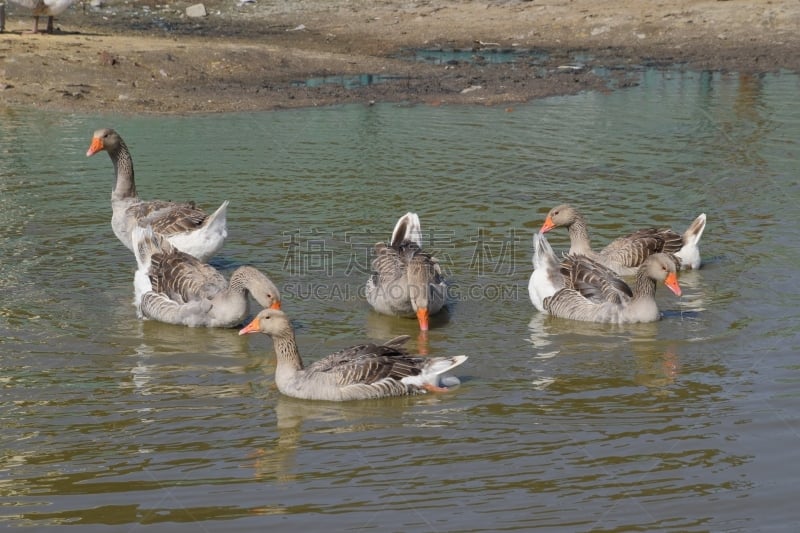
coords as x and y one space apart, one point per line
151 58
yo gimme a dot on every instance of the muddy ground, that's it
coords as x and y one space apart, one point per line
149 57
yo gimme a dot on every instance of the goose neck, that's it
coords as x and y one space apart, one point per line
287 352
579 237
125 186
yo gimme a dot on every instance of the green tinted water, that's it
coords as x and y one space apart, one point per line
687 424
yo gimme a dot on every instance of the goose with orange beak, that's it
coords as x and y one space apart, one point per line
406 280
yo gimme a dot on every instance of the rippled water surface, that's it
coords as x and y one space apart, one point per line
689 424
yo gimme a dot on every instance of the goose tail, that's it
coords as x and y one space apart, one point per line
408 228
217 222
435 367
689 254
546 278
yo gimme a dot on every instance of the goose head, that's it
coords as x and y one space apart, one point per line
421 273
260 287
104 139
562 215
272 322
663 269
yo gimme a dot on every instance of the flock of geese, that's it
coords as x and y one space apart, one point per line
588 285
173 283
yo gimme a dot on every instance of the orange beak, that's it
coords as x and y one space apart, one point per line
275 305
672 283
95 147
252 327
548 225
422 316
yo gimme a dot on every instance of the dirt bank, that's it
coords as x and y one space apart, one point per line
150 57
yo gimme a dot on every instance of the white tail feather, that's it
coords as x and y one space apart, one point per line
206 241
689 254
408 228
218 221
434 368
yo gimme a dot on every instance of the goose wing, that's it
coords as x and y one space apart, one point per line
168 218
422 264
593 280
184 278
632 250
388 265
368 363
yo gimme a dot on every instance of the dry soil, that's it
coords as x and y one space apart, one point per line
148 57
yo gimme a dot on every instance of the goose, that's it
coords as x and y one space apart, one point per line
625 254
48 8
581 289
406 280
597 282
364 371
174 287
188 228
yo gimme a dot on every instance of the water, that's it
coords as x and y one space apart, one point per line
445 56
688 424
348 82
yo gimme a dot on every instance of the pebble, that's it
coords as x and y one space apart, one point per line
196 11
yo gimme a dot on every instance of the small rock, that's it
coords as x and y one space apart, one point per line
96 3
107 59
196 11
471 88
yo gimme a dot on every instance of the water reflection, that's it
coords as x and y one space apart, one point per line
382 328
656 367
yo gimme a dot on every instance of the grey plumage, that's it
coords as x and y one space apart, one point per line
174 287
625 254
189 228
599 298
360 372
405 279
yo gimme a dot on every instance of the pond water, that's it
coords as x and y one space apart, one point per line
688 424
